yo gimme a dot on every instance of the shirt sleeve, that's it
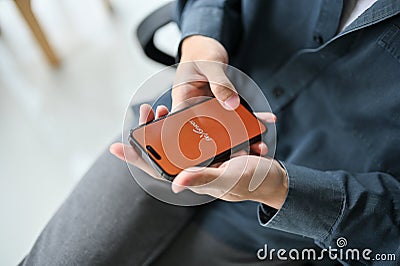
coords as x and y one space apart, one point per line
217 19
330 205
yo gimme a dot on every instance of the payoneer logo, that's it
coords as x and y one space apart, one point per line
198 130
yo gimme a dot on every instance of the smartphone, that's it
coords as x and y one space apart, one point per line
199 135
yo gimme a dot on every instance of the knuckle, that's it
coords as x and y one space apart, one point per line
222 91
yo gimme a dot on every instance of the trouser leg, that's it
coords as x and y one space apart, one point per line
108 220
226 233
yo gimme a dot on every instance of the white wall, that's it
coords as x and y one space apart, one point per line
54 122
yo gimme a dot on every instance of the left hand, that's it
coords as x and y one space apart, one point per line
256 178
243 177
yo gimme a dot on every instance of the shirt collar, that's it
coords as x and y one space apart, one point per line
381 10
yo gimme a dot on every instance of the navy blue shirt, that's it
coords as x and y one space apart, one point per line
337 98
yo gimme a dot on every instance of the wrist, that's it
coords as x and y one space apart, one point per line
198 47
275 186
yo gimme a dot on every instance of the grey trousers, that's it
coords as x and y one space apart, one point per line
109 220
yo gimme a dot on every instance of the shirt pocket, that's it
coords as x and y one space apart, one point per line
390 41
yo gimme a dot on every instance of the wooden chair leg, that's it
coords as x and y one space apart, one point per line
109 5
25 8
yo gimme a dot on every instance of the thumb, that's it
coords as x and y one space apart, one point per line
229 99
220 85
194 176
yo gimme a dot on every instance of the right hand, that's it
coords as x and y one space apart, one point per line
206 60
202 78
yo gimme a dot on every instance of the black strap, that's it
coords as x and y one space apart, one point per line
148 27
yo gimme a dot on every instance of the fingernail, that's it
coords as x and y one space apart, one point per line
271 119
157 110
177 188
263 148
232 102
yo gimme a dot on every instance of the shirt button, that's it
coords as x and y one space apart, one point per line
278 91
318 39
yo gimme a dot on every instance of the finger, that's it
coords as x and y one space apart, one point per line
161 111
146 114
216 164
188 83
230 100
188 72
186 94
266 117
130 155
195 176
239 153
220 85
259 148
233 155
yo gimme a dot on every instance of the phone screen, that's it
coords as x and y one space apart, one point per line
196 136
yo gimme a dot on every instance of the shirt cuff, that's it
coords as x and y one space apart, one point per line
312 207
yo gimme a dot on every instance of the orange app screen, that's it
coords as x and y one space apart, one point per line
196 135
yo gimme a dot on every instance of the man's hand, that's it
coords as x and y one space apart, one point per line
131 155
243 177
202 73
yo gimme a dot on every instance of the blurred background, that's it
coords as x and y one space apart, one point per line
56 120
